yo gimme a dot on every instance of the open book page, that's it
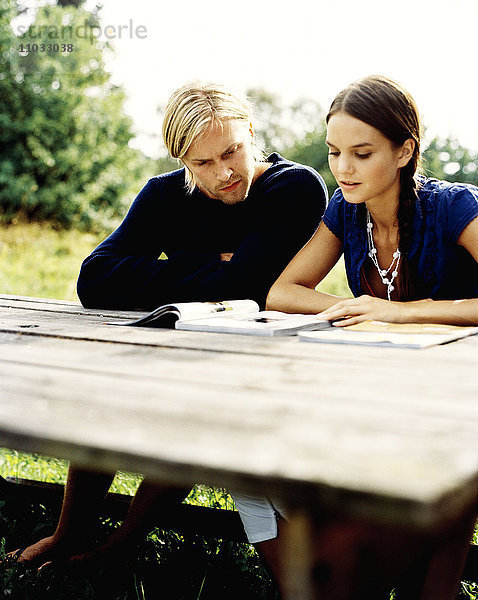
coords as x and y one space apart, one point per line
199 310
267 323
379 333
169 314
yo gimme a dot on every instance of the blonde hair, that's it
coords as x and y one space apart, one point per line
193 109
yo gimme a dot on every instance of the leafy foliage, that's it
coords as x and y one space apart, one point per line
64 154
298 132
64 137
279 125
312 151
446 159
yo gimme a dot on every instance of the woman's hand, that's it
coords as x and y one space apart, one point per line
365 308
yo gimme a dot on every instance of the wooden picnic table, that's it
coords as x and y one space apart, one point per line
371 434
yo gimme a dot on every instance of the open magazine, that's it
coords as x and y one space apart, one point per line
399 335
233 316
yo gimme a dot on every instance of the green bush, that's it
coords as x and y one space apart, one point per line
64 153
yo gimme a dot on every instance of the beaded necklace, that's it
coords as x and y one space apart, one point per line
372 252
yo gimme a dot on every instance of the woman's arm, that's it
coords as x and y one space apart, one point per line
451 312
294 292
367 308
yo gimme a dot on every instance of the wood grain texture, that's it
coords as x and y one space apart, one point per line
389 434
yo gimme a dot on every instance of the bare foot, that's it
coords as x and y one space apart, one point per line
45 550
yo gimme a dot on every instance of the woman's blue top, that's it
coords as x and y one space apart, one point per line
441 269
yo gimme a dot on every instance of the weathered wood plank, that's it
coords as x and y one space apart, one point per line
13 299
379 433
252 436
67 307
279 375
92 327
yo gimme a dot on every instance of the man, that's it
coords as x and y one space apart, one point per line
228 223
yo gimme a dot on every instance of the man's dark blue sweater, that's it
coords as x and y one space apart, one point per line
282 211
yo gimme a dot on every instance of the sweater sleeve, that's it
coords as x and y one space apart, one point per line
292 207
125 270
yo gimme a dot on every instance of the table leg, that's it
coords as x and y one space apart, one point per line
297 557
327 558
339 559
438 577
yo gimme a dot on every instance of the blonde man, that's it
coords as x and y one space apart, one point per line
228 222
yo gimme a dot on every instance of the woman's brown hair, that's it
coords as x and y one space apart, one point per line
385 105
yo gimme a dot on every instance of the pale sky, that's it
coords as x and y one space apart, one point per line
299 48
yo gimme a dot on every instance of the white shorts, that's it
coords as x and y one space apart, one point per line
259 516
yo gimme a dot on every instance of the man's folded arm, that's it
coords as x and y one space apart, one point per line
136 282
265 252
125 272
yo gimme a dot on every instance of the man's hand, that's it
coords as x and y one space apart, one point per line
226 256
365 308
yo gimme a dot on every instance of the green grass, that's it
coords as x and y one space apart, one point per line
36 260
23 465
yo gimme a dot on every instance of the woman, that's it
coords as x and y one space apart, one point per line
410 244
411 254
